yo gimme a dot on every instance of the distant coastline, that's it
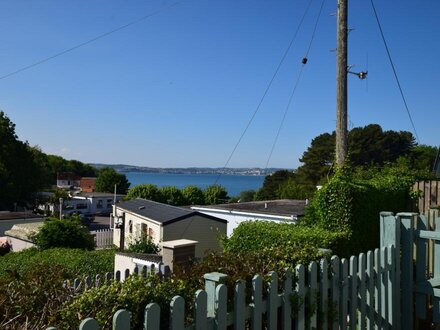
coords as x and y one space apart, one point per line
254 171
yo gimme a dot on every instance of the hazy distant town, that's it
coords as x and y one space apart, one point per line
190 170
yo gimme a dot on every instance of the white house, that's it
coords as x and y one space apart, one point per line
284 210
92 203
162 222
66 180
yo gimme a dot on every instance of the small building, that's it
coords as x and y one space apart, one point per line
283 210
92 203
162 222
87 184
67 180
20 235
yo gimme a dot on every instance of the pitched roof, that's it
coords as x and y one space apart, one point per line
159 212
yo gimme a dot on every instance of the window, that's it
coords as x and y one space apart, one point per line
81 206
130 227
144 230
99 205
150 233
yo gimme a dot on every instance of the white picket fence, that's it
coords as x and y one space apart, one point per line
358 293
103 238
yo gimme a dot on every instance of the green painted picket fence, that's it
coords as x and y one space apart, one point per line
355 293
419 264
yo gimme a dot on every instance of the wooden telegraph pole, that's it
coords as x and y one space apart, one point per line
341 84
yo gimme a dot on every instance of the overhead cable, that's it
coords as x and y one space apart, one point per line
394 71
266 91
304 62
27 67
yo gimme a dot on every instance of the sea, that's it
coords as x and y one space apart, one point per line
234 184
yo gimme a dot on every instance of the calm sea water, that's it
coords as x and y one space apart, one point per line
234 184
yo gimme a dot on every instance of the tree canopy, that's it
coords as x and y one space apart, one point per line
369 147
108 178
19 171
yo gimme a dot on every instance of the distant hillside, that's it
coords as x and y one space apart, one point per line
189 170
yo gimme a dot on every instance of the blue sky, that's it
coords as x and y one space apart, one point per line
178 88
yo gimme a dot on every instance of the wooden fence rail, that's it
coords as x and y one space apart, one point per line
355 293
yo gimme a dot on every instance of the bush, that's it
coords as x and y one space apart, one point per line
351 202
75 262
143 245
132 294
283 240
63 233
31 300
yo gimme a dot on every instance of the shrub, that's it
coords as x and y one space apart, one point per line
31 300
143 245
351 202
132 294
75 262
282 239
63 233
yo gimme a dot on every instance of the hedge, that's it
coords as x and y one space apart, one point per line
75 262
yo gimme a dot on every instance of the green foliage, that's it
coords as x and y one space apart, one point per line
293 190
146 191
368 146
351 202
57 164
317 159
193 195
143 245
31 300
63 233
108 178
132 294
247 196
75 262
172 195
284 240
57 194
215 194
19 172
271 184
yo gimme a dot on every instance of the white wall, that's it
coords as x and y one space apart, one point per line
136 224
234 218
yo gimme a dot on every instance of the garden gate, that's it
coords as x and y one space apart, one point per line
419 265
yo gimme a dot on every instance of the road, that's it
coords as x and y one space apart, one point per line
99 223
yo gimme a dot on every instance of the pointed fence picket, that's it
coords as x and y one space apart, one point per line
88 282
356 293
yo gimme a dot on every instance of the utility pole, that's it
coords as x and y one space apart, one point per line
341 84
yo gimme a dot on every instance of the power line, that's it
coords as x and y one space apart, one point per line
265 92
394 71
295 86
27 67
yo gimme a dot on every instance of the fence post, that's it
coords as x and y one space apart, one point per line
390 235
407 222
212 280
